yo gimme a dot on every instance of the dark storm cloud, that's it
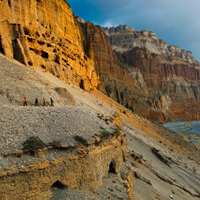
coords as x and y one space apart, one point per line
176 22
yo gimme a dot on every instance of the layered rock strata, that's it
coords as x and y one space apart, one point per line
168 69
76 155
115 81
179 80
80 145
44 34
125 38
123 84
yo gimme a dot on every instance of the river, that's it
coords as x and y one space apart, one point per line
189 130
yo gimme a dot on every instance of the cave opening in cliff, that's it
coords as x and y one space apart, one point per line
9 3
112 168
44 54
1 47
29 39
81 85
17 51
40 42
26 31
58 185
43 67
30 63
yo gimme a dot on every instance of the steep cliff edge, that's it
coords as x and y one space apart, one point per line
44 34
113 75
124 38
167 69
125 85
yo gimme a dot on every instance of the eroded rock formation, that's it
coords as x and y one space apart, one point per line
78 168
121 83
44 34
115 81
78 150
124 38
168 69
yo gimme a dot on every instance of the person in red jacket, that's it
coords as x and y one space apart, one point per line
25 102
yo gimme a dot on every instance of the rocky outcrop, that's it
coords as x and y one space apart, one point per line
78 150
80 20
170 73
71 167
43 34
115 81
118 29
165 67
171 76
124 38
123 84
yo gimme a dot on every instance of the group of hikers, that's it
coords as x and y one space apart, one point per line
37 102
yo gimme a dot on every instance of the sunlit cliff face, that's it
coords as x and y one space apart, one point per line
31 34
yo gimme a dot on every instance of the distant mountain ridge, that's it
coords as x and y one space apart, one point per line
118 29
124 38
168 70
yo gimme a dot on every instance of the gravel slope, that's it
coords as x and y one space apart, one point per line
76 113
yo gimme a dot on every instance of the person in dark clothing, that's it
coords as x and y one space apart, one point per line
52 102
36 102
25 102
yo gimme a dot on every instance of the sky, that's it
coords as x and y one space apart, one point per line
176 22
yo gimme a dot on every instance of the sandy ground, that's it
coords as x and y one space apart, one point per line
172 173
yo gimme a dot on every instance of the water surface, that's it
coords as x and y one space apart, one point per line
190 130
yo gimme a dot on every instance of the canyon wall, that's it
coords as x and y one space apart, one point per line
44 34
77 167
167 70
115 81
123 84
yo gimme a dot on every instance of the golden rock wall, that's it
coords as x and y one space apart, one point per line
44 34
